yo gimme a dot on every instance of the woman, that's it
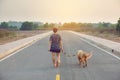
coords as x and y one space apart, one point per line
55 47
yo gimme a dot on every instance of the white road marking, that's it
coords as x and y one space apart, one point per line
96 46
15 52
42 36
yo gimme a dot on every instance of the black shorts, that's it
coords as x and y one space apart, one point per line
55 49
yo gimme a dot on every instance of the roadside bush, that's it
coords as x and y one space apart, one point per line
6 33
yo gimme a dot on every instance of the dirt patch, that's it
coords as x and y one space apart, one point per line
108 36
20 35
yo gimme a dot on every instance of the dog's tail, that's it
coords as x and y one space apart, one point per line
89 55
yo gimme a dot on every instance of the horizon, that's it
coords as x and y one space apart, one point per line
60 22
60 11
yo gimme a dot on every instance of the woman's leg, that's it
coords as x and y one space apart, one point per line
53 58
58 57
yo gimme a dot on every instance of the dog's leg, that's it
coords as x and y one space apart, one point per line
81 64
79 59
85 63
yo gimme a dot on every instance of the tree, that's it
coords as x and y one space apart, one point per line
35 26
13 28
51 25
118 26
4 25
46 25
27 26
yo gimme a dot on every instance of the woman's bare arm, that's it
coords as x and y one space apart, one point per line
61 46
49 45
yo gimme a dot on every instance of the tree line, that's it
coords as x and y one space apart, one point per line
101 26
4 25
25 26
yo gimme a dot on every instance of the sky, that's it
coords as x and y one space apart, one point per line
56 11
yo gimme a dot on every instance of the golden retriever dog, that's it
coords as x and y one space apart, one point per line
83 58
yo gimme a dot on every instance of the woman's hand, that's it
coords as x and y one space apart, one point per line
48 49
62 50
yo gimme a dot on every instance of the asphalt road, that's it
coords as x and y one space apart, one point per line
34 62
